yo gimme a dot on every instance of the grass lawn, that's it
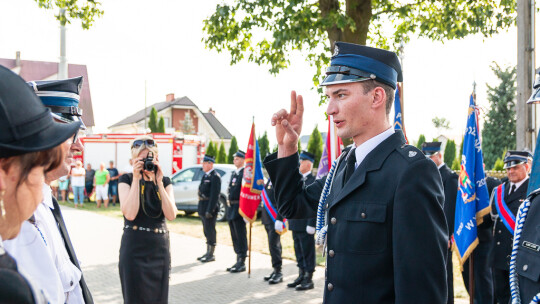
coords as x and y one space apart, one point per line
191 225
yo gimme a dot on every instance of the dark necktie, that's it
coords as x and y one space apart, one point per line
351 166
513 189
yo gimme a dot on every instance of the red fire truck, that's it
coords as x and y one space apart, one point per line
174 152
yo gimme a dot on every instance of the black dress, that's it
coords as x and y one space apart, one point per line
145 259
14 288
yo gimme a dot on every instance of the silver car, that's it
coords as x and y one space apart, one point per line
186 187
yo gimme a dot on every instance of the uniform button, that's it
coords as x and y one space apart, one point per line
326 205
500 221
525 267
500 232
498 243
71 283
363 215
333 220
330 287
331 253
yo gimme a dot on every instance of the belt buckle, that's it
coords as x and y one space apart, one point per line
134 227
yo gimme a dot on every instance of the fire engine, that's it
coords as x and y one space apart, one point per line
174 152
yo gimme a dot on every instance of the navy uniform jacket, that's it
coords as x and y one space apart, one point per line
235 186
300 224
450 184
528 255
209 190
502 238
265 218
387 235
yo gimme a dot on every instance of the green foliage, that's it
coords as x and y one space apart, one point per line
499 165
499 132
275 149
153 121
161 126
187 124
435 139
456 164
450 152
421 140
232 149
211 150
315 145
221 157
264 145
85 11
268 32
441 123
299 146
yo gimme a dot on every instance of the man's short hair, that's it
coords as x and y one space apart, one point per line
369 85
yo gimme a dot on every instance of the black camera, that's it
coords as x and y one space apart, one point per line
149 162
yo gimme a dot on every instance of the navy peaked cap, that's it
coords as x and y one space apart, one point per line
355 63
430 148
305 155
514 158
240 153
209 158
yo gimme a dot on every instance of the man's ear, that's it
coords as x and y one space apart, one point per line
379 97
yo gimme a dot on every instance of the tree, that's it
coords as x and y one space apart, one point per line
187 124
232 149
450 152
440 124
267 32
153 121
264 145
211 150
85 11
161 127
299 146
221 157
456 164
315 145
499 132
421 140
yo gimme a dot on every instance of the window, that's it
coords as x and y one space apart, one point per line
188 175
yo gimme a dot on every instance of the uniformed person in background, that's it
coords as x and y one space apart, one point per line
236 221
274 229
432 150
387 236
512 193
303 231
209 190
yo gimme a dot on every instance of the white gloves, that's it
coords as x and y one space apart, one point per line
310 230
278 226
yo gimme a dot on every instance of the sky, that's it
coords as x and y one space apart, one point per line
160 43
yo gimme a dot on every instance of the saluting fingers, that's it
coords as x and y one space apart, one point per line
278 116
293 102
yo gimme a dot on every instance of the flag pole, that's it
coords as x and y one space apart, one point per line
471 256
249 248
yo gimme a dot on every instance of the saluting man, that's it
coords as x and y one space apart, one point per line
432 150
303 231
236 221
386 234
208 206
506 200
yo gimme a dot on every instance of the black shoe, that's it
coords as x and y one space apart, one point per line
307 282
240 266
298 280
268 277
210 256
205 254
276 278
235 264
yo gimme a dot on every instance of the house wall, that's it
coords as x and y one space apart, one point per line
178 116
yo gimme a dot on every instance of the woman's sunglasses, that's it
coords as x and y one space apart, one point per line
147 142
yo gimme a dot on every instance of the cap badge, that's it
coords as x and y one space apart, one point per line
336 50
412 153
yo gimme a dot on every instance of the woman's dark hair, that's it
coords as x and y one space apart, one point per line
49 159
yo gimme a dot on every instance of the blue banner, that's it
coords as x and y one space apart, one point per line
472 201
398 116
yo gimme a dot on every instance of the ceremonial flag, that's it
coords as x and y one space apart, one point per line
253 181
398 115
331 150
472 201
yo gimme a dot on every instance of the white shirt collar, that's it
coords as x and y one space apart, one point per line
209 171
238 169
363 150
518 184
305 174
47 196
440 166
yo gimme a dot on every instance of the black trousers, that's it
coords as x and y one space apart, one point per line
483 275
209 229
274 245
89 187
239 236
450 277
501 286
304 249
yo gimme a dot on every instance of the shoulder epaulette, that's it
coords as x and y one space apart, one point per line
411 153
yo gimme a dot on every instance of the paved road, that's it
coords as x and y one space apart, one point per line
97 241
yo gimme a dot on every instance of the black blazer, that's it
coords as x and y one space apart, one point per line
209 190
235 186
502 238
450 184
301 224
387 234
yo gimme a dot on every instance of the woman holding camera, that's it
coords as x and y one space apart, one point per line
146 200
30 146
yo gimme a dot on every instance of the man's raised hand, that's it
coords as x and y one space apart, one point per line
289 126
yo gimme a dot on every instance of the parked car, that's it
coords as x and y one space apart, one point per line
186 187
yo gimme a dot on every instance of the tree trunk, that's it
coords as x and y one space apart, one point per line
357 10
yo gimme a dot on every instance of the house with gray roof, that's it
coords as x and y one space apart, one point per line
181 116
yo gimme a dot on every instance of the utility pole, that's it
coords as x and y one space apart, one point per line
63 65
525 126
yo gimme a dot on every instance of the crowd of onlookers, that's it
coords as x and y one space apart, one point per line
89 185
